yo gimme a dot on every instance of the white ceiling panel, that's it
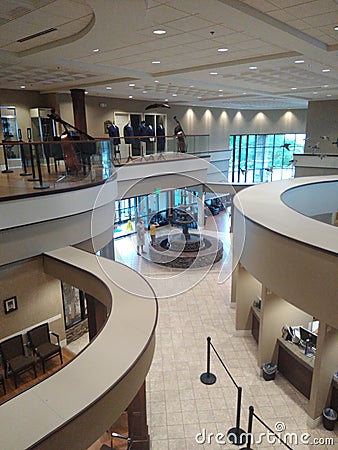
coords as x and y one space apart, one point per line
188 52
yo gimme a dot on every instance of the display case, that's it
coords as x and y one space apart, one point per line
9 132
43 127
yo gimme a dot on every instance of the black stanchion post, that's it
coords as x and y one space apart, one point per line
237 435
23 156
38 165
29 138
249 433
207 377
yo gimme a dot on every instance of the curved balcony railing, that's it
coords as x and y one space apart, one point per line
49 164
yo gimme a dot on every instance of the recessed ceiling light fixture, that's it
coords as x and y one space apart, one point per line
328 95
156 81
213 73
192 86
86 92
108 88
159 32
174 95
326 70
325 85
294 88
220 90
299 61
130 96
23 86
145 92
199 96
222 50
95 50
155 62
243 93
315 92
131 84
336 28
165 99
252 67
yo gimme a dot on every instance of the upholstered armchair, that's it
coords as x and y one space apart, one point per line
40 342
14 357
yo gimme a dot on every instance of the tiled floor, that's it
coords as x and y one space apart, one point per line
193 306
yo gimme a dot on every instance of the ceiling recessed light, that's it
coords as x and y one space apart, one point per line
253 67
159 32
299 61
165 99
23 86
174 95
156 81
315 92
222 49
86 92
130 96
108 87
326 70
336 28
220 90
199 96
96 50
213 73
328 95
192 86
294 88
155 62
243 93
325 85
131 84
145 92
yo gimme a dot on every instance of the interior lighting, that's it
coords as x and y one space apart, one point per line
336 28
325 85
294 88
131 84
95 50
213 73
130 96
159 32
252 67
174 95
86 92
108 88
328 95
155 62
192 86
220 90
145 92
222 50
156 81
166 99
326 70
243 93
23 86
299 61
199 96
315 92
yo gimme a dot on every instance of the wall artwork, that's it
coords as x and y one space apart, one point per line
10 304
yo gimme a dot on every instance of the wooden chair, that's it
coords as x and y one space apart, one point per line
2 383
40 342
14 357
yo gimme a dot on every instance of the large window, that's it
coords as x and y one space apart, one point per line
263 157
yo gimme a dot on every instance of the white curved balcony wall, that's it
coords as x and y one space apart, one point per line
33 225
144 178
92 390
292 255
313 198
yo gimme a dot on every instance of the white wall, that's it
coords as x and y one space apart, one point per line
219 123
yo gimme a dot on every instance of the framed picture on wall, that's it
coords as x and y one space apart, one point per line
10 304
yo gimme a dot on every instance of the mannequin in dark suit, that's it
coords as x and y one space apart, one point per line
160 133
143 131
128 132
114 132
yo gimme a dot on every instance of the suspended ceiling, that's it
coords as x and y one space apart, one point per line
103 46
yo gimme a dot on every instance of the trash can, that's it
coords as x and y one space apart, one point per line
329 418
269 371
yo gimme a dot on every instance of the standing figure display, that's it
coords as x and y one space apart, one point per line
114 133
160 133
140 229
180 135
